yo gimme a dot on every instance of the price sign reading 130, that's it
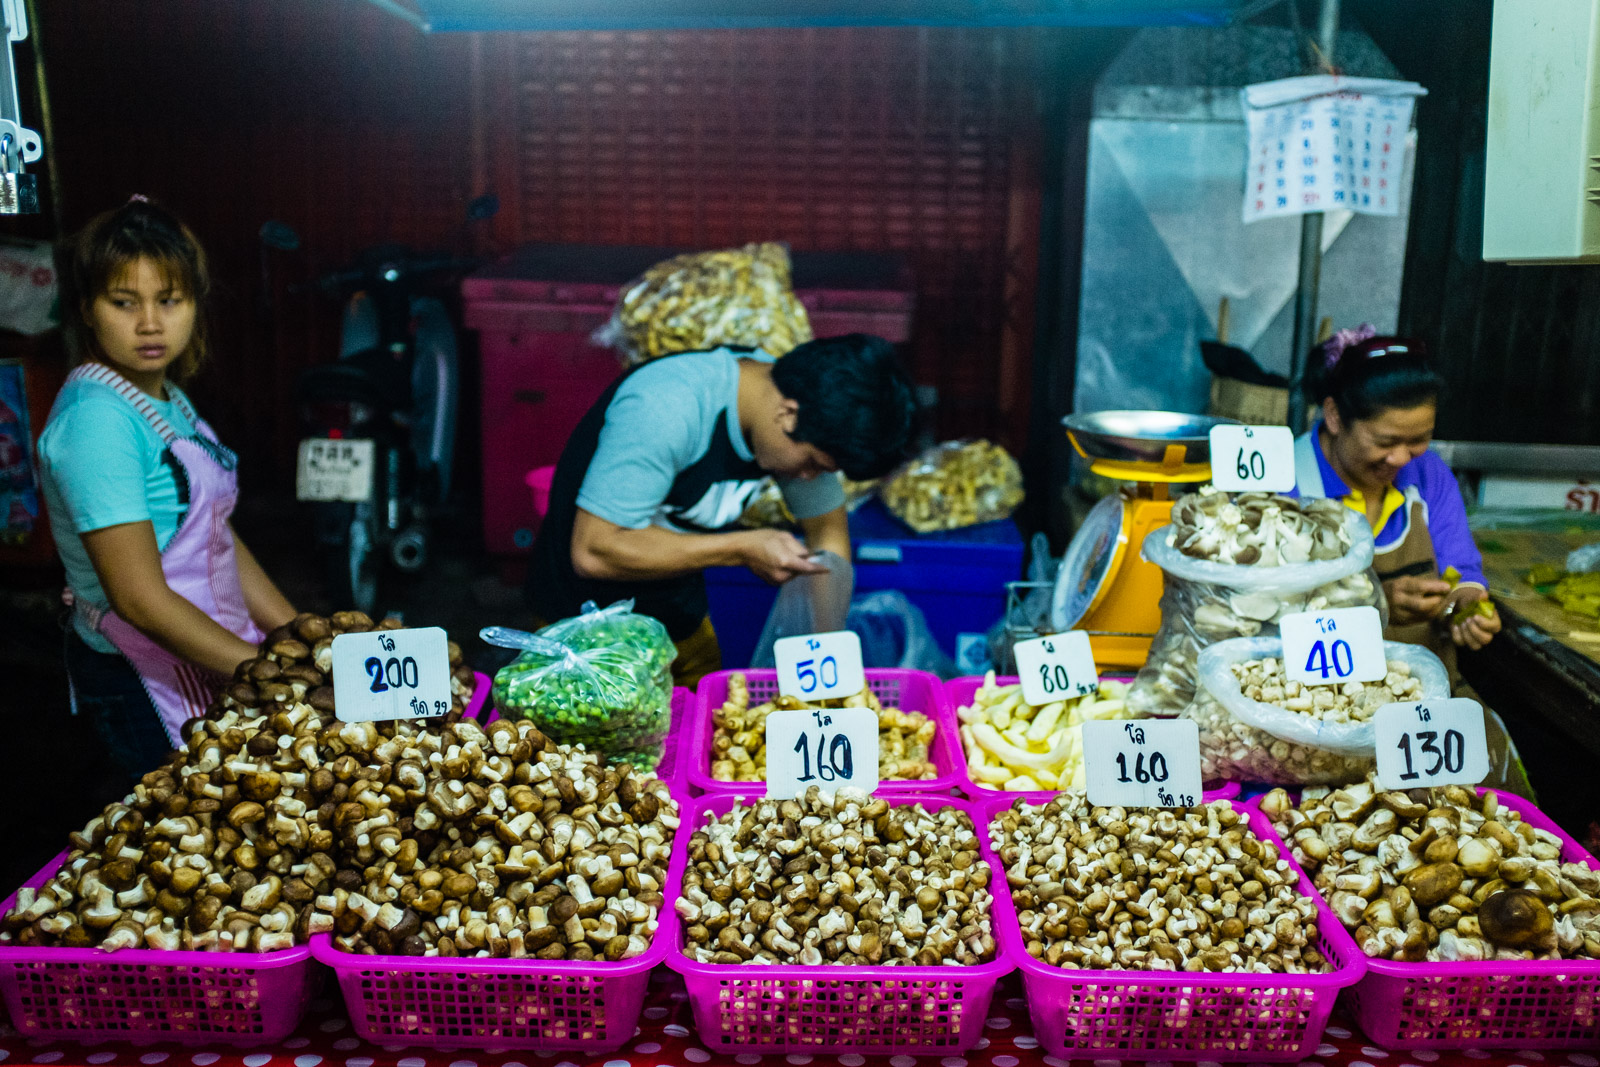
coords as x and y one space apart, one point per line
819 666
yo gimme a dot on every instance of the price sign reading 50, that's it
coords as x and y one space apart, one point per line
1245 458
1436 742
1151 763
1333 647
827 747
391 674
819 666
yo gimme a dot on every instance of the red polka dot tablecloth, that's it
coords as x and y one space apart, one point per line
666 1038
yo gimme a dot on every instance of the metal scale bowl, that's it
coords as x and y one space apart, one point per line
1104 586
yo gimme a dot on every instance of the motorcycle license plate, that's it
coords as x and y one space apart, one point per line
331 469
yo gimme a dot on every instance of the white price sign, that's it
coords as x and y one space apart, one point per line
819 666
391 674
1333 647
827 747
1247 458
1054 668
331 469
1435 742
1146 763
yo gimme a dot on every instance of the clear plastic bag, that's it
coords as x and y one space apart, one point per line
601 679
808 604
1247 740
697 301
954 485
894 633
1203 602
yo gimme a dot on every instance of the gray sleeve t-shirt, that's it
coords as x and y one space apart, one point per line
672 453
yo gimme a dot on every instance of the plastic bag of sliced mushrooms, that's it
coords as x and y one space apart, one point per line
1234 566
1257 726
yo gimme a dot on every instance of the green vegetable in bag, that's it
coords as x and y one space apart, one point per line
601 680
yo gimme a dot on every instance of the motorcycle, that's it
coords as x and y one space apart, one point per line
379 423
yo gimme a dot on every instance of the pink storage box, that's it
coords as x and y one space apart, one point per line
1233 1017
958 693
543 1005
835 1009
147 995
1520 1004
907 690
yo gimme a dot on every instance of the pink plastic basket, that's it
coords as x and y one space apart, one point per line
834 1009
189 998
1520 1004
482 686
544 1005
1153 1015
958 693
907 690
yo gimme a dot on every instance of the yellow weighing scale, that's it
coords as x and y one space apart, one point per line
1104 586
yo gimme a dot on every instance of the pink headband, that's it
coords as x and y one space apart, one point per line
1334 347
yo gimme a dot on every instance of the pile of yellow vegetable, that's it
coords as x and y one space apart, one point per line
1017 747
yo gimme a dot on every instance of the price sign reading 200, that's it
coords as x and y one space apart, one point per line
394 672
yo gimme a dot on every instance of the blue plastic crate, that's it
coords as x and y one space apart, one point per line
957 578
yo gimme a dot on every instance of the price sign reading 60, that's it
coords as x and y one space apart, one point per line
1246 458
819 666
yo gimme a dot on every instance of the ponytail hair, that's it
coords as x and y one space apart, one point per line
88 262
1365 374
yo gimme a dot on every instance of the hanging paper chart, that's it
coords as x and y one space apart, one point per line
1326 143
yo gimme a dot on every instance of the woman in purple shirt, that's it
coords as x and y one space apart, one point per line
1369 449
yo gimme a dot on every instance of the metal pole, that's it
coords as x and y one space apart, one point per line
1305 297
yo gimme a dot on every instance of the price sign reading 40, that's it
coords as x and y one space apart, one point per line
391 674
819 666
1333 647
827 747
1245 458
1054 668
1437 742
1149 763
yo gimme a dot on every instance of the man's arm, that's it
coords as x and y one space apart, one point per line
604 551
829 532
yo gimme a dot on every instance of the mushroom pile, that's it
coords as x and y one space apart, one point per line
278 821
1441 874
1258 529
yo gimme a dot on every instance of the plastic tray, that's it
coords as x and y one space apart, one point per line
144 995
958 693
1234 1017
836 1009
1520 1004
907 690
544 1005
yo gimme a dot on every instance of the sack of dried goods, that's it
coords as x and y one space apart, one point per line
739 735
601 679
1018 747
842 879
1234 566
1440 874
1258 726
954 485
1192 889
697 301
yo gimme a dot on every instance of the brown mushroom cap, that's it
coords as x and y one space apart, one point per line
1515 917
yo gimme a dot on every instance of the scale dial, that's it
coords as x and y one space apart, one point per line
1090 563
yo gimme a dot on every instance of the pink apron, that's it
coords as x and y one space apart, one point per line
198 562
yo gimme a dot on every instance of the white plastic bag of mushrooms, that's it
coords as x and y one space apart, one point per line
416 837
1234 566
1258 726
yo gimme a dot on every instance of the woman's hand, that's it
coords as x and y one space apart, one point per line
1467 627
1413 599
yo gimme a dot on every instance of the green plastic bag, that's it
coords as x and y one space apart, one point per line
601 679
